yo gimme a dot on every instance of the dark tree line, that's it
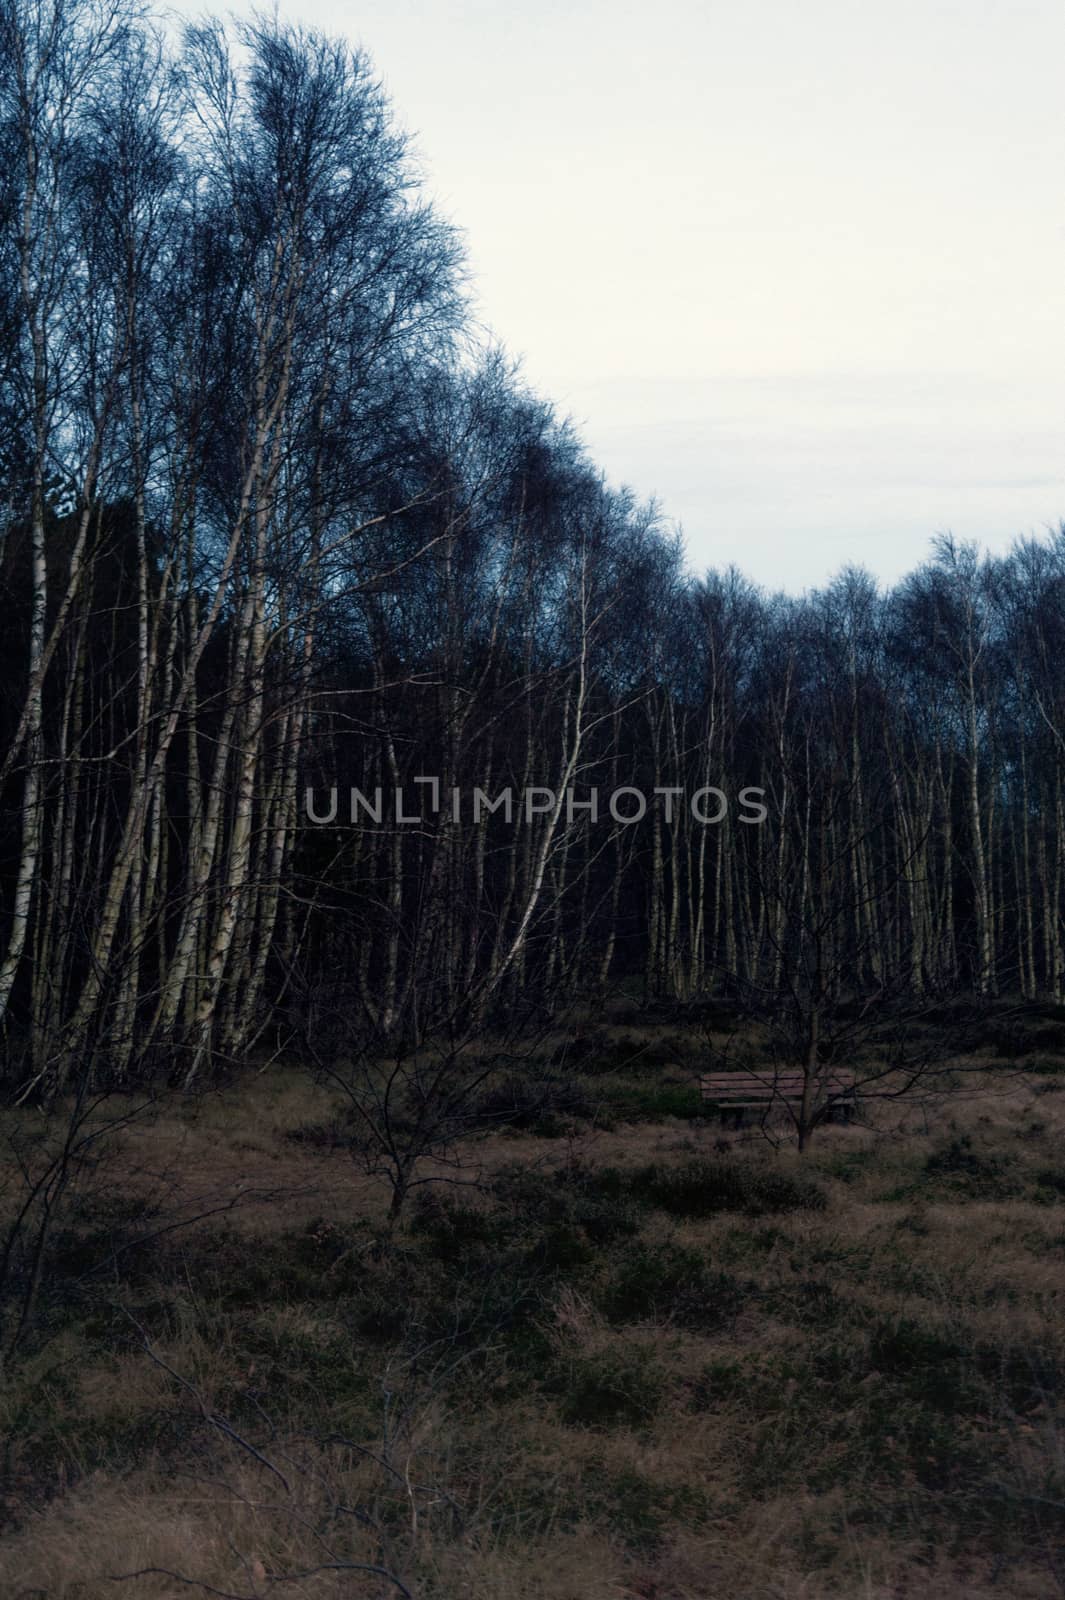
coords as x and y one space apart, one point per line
273 521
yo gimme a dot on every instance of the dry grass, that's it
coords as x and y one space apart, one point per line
863 1401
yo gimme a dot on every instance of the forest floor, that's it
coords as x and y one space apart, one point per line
617 1355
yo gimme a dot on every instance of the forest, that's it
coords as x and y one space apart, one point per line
273 520
321 631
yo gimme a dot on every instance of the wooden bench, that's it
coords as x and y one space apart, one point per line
740 1091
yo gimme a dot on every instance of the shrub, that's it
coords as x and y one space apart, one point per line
636 1509
1052 1179
597 1205
532 1104
596 1053
451 1226
933 1368
612 1388
810 1302
701 1187
651 1101
983 1175
292 1266
334 1133
716 1384
848 1166
105 1231
669 1282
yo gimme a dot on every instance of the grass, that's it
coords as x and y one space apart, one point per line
620 1361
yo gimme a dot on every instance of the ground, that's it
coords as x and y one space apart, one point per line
615 1352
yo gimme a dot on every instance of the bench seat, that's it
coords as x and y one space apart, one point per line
752 1091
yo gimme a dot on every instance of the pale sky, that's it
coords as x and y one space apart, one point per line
797 269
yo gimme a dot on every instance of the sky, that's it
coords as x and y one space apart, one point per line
798 271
